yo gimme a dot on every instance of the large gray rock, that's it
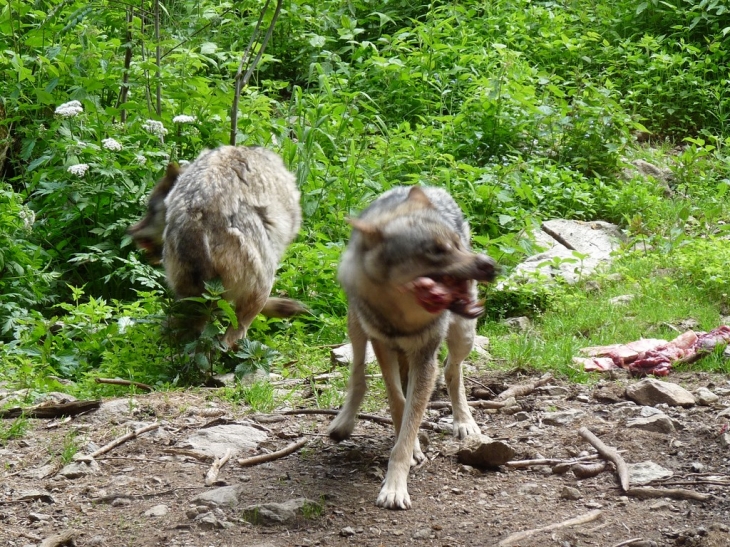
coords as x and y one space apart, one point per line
651 392
646 472
563 240
215 441
226 496
658 423
279 513
482 451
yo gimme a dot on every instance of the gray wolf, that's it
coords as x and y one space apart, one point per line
410 279
230 214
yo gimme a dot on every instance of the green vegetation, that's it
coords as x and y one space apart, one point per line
523 110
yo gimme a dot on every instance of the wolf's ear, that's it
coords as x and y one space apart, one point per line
417 196
171 175
371 233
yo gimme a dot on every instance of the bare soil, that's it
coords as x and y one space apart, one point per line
453 505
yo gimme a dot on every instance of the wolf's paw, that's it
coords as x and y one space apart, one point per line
341 428
465 428
396 498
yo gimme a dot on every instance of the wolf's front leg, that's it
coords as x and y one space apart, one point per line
421 377
342 426
460 340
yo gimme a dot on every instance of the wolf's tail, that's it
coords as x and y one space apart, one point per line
283 307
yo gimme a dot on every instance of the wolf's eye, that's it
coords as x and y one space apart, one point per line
440 249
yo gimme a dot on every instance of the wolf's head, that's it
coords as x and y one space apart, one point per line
415 247
147 233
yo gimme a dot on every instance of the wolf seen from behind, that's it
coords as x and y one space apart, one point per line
230 214
410 279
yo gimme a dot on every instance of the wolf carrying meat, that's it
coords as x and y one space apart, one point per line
410 279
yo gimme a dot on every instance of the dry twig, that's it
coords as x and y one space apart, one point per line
263 458
519 536
627 542
212 475
520 390
52 411
674 493
120 440
120 382
549 461
609 453
435 405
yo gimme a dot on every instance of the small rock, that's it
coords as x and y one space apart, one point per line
347 532
529 489
646 472
553 391
343 354
77 469
156 511
39 517
725 440
520 324
422 533
223 496
621 300
277 513
659 423
651 392
121 502
208 521
697 467
482 451
562 417
705 397
570 493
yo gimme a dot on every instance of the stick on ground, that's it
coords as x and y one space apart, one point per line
263 458
675 493
120 382
212 475
520 390
611 454
120 440
519 536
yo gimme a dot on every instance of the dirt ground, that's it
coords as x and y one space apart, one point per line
453 505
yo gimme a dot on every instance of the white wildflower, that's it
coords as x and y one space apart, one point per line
139 159
182 118
79 169
111 144
69 109
154 127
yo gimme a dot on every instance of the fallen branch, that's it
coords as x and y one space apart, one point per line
431 426
263 458
674 493
119 440
627 542
435 405
52 411
200 456
549 461
211 477
58 539
520 390
519 536
112 497
588 470
609 453
120 382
